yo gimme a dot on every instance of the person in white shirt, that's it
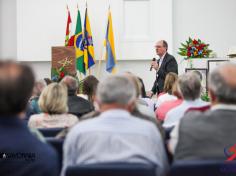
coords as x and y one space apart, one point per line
189 86
115 135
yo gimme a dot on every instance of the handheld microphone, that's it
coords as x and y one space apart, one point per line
154 59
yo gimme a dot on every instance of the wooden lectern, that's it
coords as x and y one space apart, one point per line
63 57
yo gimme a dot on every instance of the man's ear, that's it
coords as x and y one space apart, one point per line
212 96
131 106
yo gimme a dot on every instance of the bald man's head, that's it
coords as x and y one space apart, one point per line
71 84
222 83
16 84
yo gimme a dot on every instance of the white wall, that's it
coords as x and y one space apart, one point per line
211 20
136 24
8 47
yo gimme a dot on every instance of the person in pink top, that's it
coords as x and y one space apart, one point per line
168 105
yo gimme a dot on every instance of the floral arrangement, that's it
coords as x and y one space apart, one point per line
58 73
194 48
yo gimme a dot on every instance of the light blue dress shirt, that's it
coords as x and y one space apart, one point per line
115 136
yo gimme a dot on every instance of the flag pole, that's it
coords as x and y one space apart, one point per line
101 58
100 62
85 17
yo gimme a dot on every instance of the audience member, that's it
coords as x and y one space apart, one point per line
170 79
77 105
141 105
38 88
48 81
203 82
90 84
21 152
116 135
144 96
136 112
168 105
189 86
53 103
210 134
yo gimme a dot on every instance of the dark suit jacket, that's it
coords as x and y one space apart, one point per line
206 135
169 64
23 154
79 106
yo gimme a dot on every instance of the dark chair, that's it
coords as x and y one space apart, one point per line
114 169
50 132
167 137
167 132
203 168
57 144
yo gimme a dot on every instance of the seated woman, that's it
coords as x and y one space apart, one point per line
165 107
53 103
148 100
171 78
38 88
90 84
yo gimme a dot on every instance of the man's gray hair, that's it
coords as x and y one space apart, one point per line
116 89
71 83
224 92
189 85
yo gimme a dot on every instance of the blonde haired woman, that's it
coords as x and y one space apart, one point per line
170 80
53 103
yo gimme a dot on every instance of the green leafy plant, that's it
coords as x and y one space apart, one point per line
205 97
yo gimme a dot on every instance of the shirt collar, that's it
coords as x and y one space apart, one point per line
163 56
222 106
192 101
115 112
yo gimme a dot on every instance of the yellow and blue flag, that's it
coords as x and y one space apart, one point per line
78 44
88 43
110 46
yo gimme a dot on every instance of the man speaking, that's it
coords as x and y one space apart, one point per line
163 66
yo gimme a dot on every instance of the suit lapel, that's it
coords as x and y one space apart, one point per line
164 61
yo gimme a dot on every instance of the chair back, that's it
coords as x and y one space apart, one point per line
57 144
50 132
112 169
167 132
203 168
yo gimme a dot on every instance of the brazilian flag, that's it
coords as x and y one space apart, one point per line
79 48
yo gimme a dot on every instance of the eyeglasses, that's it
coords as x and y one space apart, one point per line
158 46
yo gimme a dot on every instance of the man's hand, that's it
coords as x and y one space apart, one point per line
155 65
150 94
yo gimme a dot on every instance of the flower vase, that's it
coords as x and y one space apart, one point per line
190 62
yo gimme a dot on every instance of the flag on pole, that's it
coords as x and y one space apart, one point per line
110 55
79 48
88 43
68 28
